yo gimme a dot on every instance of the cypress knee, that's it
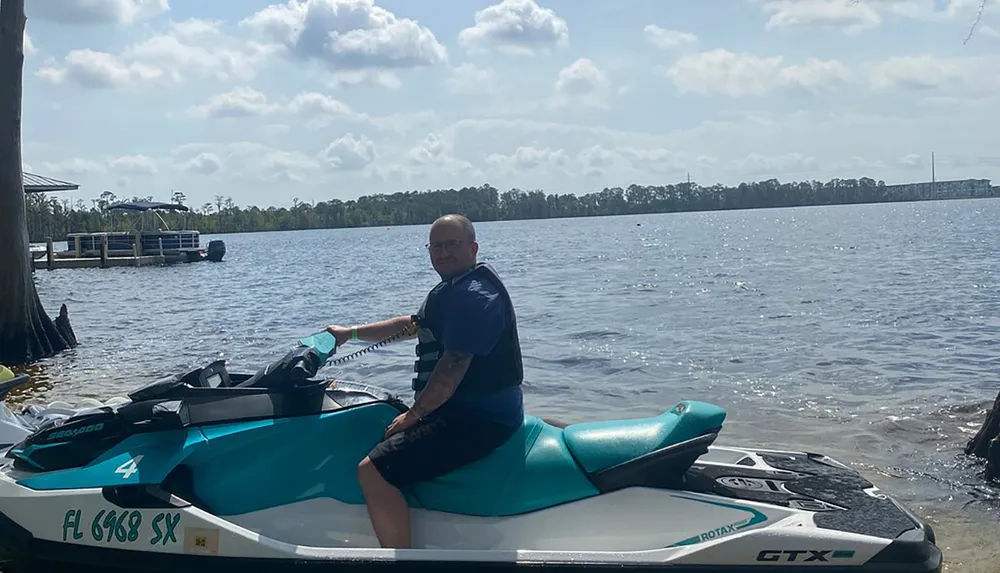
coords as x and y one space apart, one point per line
986 442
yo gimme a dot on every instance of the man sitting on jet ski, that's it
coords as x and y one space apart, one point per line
468 374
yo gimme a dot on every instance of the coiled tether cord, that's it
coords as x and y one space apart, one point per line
409 327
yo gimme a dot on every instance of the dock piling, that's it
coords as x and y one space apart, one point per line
104 251
50 253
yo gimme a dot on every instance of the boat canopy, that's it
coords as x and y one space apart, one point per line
148 206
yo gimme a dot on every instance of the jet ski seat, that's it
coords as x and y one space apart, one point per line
541 465
598 446
538 467
532 470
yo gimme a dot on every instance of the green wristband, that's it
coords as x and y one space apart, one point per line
354 333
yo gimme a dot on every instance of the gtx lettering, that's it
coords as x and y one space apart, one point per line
803 555
75 431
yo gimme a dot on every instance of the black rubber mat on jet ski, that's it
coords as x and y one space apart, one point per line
861 513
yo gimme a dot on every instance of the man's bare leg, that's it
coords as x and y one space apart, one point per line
387 508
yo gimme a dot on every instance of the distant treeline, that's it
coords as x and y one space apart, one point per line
52 217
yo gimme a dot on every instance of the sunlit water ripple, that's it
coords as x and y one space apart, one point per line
867 332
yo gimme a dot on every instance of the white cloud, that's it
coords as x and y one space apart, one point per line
203 163
852 16
403 123
789 146
582 83
349 153
526 158
316 108
199 48
639 160
967 75
189 49
856 16
238 102
95 11
815 75
353 78
759 165
912 161
435 154
469 78
741 74
98 70
314 104
134 165
597 160
246 160
74 166
348 34
668 39
123 165
515 27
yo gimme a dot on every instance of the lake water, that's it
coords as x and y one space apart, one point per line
871 333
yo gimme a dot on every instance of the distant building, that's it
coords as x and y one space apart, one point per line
933 190
39 184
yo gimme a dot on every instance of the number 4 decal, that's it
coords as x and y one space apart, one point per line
129 467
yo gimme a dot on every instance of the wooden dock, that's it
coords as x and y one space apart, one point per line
99 263
104 257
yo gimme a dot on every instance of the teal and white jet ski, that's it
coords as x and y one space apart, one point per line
216 471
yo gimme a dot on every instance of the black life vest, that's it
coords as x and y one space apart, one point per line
499 369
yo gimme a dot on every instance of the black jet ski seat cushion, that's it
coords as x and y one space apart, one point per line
298 365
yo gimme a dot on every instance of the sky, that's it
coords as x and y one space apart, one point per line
312 100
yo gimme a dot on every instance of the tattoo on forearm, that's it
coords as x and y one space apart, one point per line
444 380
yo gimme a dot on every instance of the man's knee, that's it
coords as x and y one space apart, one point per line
367 471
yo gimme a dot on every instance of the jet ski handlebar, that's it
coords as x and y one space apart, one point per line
297 368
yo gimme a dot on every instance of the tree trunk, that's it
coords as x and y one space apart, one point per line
26 332
986 443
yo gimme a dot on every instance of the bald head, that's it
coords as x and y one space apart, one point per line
460 222
452 245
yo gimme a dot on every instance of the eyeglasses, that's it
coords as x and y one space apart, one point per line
451 245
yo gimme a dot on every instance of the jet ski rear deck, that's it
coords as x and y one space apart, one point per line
214 472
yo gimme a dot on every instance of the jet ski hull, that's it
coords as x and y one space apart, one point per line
145 529
216 472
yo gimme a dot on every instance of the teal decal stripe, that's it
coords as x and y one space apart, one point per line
25 454
843 554
139 459
758 517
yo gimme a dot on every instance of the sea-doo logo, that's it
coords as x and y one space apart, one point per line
76 431
804 555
